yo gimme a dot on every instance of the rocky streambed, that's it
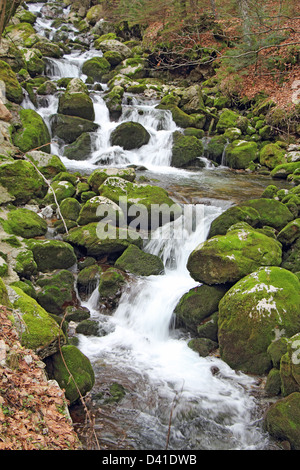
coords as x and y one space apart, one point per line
190 310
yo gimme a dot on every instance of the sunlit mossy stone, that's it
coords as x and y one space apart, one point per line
149 205
100 238
36 328
228 258
257 310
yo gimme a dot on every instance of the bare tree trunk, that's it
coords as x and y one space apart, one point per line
244 10
7 10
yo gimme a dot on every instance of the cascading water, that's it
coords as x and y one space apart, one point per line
211 405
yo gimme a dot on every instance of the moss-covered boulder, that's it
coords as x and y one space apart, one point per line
73 372
22 181
138 262
134 68
96 68
272 212
76 104
112 282
98 239
240 153
61 189
290 366
97 208
185 150
291 257
215 148
56 291
232 216
4 297
113 45
272 155
69 128
48 164
25 265
197 304
146 205
290 233
34 63
33 133
36 328
227 119
282 420
130 135
228 258
70 208
80 149
203 346
98 176
257 310
283 170
13 90
88 278
25 223
52 254
114 100
192 100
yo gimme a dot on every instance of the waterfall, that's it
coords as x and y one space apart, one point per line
214 406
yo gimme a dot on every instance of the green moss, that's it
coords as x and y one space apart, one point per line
88 278
77 104
253 313
140 263
97 177
62 190
49 165
13 89
227 119
4 298
25 265
230 217
110 285
37 330
197 304
70 208
73 372
130 135
33 134
52 254
25 223
22 181
282 171
80 149
69 128
96 67
227 258
271 212
56 291
240 153
185 149
272 155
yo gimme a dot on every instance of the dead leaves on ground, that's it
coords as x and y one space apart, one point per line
33 410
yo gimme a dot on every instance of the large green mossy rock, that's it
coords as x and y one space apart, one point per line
272 155
197 304
77 104
33 133
36 328
257 310
185 150
282 420
101 174
48 164
110 288
228 258
240 153
228 119
113 45
88 278
136 261
80 149
69 128
98 239
148 205
96 68
290 233
290 366
272 213
73 372
25 223
232 216
284 170
70 208
192 100
291 258
52 254
22 181
4 297
25 265
130 135
56 291
13 90
61 189
97 208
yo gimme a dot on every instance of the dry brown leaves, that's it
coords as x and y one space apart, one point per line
33 413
